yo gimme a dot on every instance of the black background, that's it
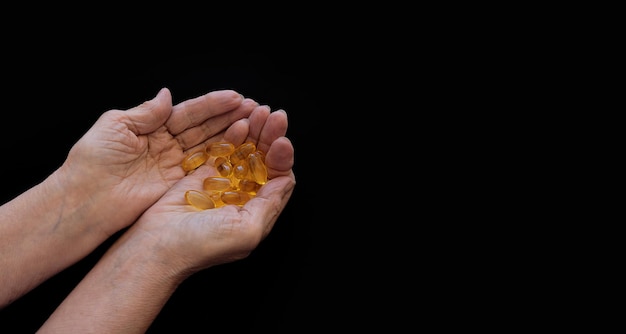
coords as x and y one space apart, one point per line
343 254
54 90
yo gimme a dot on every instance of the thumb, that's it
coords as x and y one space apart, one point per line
152 114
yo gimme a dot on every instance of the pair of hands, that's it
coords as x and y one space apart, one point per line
129 166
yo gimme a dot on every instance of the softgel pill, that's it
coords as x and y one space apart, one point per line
241 173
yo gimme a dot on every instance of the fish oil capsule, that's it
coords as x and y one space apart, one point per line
217 183
241 174
258 171
194 160
242 151
241 169
261 155
223 166
236 197
216 196
220 149
249 186
199 199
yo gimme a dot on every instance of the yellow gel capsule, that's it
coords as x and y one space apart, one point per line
217 183
261 154
249 186
216 196
223 166
199 200
220 149
241 169
258 171
236 197
242 151
194 160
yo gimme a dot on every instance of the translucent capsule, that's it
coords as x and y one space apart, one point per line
241 172
216 196
194 160
217 183
258 171
261 154
249 186
199 199
236 197
241 169
223 166
220 149
242 151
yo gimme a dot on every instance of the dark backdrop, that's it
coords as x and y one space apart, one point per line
343 253
54 90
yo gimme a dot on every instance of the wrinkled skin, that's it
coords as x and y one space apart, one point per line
130 158
188 239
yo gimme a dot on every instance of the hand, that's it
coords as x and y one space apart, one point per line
188 239
129 158
172 240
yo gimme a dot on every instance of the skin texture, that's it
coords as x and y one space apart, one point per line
172 240
121 166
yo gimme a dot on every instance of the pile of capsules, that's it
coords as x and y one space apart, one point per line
241 173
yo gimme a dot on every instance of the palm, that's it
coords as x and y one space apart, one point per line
129 159
201 238
133 165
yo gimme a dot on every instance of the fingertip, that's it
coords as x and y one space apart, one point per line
283 113
237 132
164 90
285 143
151 114
281 156
164 94
250 102
235 95
260 112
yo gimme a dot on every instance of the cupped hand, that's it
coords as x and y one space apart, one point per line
188 239
130 158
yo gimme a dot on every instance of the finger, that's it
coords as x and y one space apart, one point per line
150 115
269 202
195 111
258 117
214 125
275 127
238 132
280 158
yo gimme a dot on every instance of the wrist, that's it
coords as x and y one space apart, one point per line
142 255
50 226
78 199
128 284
